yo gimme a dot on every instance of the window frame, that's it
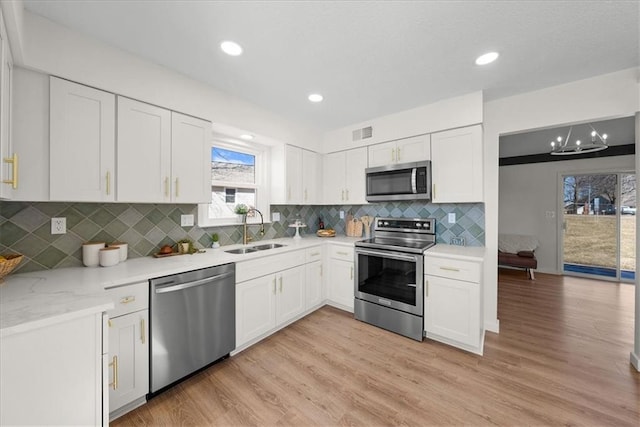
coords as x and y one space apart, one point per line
261 186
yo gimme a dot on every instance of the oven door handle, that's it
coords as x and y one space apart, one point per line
388 254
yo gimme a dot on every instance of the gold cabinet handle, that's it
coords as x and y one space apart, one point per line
426 288
114 364
393 159
433 191
127 299
177 188
109 323
449 268
108 183
143 336
342 253
13 160
280 284
274 286
342 198
347 199
351 276
166 186
398 154
314 253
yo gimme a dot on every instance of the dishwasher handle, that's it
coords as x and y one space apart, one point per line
187 285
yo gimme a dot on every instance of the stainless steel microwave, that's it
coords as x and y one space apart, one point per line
404 181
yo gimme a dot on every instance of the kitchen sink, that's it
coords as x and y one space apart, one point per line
242 251
267 246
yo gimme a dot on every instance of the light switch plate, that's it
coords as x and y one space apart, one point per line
275 216
341 214
452 218
58 225
186 220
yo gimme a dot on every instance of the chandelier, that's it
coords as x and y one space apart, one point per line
562 147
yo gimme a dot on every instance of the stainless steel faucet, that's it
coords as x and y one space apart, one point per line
245 237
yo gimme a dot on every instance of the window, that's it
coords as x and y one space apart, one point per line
237 177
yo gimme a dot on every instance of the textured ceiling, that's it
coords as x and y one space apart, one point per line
367 58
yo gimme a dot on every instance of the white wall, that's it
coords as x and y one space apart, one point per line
54 49
607 96
446 114
528 191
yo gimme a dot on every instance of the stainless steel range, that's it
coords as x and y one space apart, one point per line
389 282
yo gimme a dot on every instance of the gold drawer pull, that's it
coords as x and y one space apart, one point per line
449 268
314 253
143 337
127 300
342 253
274 286
280 284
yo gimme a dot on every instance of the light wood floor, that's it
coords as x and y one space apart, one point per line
561 358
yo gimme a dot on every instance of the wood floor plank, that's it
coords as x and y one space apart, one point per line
561 358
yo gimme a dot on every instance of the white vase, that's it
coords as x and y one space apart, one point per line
215 245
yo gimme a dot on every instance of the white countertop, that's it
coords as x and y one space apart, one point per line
41 298
469 253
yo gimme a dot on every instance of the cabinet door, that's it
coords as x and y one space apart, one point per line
341 285
356 163
382 154
313 284
82 143
291 299
334 178
6 94
415 149
311 177
144 152
190 159
293 156
456 157
452 309
128 358
255 308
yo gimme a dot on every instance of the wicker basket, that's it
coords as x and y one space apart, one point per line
7 265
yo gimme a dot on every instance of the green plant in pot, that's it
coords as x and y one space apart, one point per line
215 240
185 246
242 210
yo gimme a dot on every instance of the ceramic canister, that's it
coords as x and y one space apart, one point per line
109 256
124 249
90 253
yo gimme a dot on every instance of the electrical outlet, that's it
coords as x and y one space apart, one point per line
275 216
58 225
186 220
452 218
457 241
341 214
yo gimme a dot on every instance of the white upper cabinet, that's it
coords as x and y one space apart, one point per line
163 156
82 143
144 152
190 159
8 156
294 176
414 149
344 177
456 165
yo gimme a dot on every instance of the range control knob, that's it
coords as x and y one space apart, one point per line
386 223
418 225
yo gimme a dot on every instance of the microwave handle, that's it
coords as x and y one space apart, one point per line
414 180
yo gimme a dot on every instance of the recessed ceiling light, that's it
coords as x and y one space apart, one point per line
231 48
487 58
315 97
246 137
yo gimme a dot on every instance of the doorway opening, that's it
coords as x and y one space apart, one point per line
599 225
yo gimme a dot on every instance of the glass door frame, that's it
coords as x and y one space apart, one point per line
618 215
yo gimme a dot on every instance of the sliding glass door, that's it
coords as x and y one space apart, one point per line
598 225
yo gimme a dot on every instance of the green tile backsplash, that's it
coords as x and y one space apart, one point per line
26 227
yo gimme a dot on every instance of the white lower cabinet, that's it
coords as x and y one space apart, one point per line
340 285
128 356
266 302
54 375
452 302
313 284
128 359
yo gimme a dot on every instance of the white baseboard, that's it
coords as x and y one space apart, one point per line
492 326
635 361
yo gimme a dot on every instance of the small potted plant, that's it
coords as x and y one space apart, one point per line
241 210
185 246
214 240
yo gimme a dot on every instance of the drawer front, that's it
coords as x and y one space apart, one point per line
313 254
341 252
246 270
468 271
129 298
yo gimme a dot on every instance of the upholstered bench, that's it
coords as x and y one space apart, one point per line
518 251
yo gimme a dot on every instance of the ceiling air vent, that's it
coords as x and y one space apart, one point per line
363 133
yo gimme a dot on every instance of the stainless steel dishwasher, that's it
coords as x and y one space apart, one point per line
193 322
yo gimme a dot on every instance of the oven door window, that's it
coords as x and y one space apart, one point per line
387 278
